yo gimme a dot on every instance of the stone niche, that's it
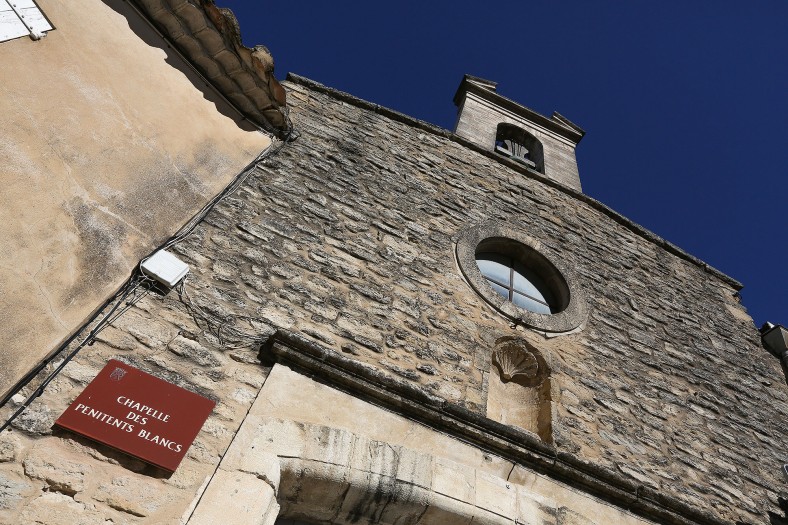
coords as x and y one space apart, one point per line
519 389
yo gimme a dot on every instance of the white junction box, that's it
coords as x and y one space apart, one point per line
165 268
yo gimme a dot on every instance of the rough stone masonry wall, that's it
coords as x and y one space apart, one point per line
347 237
54 477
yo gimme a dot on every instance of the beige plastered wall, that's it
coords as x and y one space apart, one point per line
109 143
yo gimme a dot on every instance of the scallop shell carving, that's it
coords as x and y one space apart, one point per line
513 361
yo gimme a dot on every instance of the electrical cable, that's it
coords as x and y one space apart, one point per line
130 286
227 334
289 134
138 278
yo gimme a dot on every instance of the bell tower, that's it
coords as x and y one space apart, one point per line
491 121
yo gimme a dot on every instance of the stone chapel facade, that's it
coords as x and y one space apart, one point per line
401 324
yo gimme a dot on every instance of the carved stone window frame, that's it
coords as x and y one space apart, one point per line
509 240
511 132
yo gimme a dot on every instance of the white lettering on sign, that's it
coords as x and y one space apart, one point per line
135 416
104 418
159 440
139 407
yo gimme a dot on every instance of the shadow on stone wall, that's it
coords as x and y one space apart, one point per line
123 459
774 519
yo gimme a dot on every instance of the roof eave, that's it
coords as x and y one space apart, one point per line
209 38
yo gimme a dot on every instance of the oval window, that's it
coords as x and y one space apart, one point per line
517 283
508 270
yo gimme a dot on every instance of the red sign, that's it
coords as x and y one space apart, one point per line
139 414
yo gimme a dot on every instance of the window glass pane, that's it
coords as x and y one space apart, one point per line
503 292
523 282
529 283
509 277
529 304
494 267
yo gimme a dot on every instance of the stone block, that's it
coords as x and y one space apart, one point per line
443 510
534 508
13 489
194 351
317 489
53 508
234 498
366 496
415 467
252 457
117 339
81 373
55 465
37 418
485 517
329 445
495 494
152 333
281 437
567 516
271 514
10 447
454 480
405 503
136 495
374 456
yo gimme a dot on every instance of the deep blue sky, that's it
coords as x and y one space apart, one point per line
685 103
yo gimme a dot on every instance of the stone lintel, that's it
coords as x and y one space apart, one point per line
519 446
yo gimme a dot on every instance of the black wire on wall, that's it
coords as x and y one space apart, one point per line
129 291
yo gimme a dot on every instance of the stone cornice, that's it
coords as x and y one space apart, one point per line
485 89
521 447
